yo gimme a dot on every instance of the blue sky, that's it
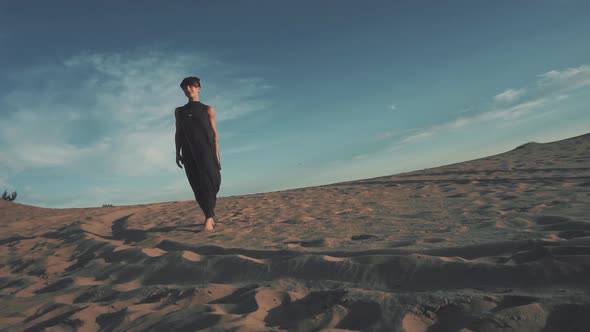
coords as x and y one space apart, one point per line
306 92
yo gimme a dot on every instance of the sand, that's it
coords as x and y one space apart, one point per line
500 243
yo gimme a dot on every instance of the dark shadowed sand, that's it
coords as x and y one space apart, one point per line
500 243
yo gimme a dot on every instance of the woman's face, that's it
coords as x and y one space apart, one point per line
191 91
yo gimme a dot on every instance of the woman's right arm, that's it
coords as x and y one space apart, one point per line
178 136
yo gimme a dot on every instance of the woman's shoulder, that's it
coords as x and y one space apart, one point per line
208 108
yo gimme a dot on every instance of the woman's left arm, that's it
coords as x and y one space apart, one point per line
211 112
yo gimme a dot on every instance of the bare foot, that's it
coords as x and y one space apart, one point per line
209 225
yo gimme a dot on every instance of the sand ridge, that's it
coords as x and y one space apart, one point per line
500 243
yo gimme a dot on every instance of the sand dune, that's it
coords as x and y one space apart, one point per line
500 243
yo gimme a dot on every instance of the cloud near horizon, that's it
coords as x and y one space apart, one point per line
547 90
566 79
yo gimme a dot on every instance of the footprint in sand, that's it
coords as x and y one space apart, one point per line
363 237
463 229
550 220
573 234
314 243
434 240
443 229
456 195
401 243
566 227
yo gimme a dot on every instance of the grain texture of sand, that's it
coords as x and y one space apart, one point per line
500 243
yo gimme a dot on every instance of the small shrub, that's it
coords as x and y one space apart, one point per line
9 197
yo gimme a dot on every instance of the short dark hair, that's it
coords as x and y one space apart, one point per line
195 81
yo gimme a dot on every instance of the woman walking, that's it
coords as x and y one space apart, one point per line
197 147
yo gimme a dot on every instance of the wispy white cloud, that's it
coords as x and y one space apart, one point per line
566 79
113 111
509 95
562 97
361 156
384 135
419 137
392 107
549 89
504 113
241 149
237 97
112 114
465 110
389 134
565 74
510 112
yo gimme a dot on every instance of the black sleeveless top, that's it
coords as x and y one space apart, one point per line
196 133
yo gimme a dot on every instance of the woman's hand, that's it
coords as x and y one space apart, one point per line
179 159
218 157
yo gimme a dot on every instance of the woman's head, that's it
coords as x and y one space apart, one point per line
191 86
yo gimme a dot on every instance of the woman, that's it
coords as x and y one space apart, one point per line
196 136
